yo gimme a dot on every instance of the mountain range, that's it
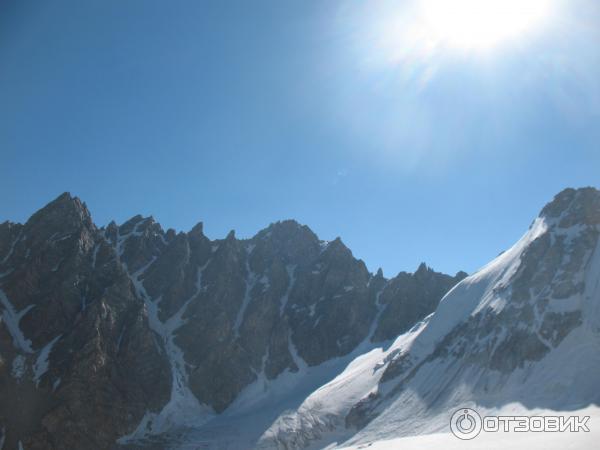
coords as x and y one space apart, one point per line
129 336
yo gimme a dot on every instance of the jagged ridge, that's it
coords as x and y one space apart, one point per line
131 329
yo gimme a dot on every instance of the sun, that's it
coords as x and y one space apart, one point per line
413 40
477 24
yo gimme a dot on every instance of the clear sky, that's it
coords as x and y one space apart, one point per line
413 137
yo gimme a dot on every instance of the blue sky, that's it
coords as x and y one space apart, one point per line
239 113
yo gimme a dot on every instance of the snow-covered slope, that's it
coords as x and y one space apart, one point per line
523 330
501 440
320 417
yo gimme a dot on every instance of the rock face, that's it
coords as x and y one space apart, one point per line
79 358
402 311
131 330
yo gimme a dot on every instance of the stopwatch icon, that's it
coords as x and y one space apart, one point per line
465 424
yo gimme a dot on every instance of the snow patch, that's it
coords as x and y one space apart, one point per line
298 361
265 282
40 367
183 408
380 309
120 339
122 239
11 319
57 266
250 282
291 271
95 255
18 367
12 248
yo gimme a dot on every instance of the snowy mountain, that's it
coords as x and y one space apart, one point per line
134 334
521 334
133 337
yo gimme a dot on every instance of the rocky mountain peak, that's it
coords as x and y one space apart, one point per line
337 249
288 230
422 270
410 297
288 240
64 212
461 275
131 224
170 234
283 227
198 229
574 206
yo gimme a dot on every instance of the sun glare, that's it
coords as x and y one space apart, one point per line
419 34
478 24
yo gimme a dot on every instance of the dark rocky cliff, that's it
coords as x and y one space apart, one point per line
102 326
